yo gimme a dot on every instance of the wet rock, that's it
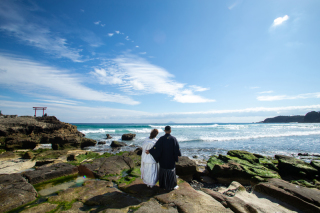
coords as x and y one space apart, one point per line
106 166
44 207
128 137
96 192
303 154
15 191
207 179
154 206
44 162
305 199
44 173
108 136
189 200
28 155
228 168
87 142
290 166
101 142
185 166
138 151
115 144
77 207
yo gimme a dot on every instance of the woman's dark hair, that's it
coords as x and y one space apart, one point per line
153 133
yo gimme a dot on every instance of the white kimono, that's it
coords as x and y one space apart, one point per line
149 167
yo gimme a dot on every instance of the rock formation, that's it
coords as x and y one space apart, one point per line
26 132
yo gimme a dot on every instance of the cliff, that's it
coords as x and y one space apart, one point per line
310 117
26 132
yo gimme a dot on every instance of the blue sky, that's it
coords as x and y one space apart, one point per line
159 61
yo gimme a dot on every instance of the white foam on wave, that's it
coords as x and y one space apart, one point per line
185 126
144 130
97 131
259 136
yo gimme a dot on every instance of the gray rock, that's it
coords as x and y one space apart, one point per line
44 173
305 199
14 192
117 144
128 137
106 166
185 166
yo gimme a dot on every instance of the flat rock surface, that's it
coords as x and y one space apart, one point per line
15 166
106 166
14 192
302 198
245 202
140 190
188 199
96 193
44 207
153 206
45 173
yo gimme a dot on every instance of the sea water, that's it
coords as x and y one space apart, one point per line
204 140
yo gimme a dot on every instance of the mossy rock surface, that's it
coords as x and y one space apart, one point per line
316 164
267 163
227 166
243 155
295 167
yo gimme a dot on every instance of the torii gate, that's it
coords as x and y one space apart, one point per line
38 108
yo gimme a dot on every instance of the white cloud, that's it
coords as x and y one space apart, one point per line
266 92
137 46
27 76
234 4
102 25
97 22
81 10
280 20
143 53
127 38
110 34
15 23
286 97
138 75
117 32
198 89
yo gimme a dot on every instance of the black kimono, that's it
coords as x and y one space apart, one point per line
166 152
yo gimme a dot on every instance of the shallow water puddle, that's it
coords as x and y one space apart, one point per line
51 189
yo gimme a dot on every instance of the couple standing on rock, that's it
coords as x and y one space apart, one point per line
164 153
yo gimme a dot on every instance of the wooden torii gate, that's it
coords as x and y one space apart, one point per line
38 108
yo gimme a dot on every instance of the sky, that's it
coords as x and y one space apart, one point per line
159 61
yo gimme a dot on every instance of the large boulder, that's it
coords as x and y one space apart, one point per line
102 167
108 136
228 168
115 144
304 199
128 137
15 191
290 166
87 142
186 168
28 155
45 173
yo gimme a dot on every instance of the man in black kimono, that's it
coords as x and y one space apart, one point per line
166 152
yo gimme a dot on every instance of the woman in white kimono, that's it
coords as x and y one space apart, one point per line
149 167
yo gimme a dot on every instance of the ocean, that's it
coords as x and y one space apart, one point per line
203 140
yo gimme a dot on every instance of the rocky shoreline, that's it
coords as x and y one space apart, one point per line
77 180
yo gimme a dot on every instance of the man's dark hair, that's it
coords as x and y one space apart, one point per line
167 128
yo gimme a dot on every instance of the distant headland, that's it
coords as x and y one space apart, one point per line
310 117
